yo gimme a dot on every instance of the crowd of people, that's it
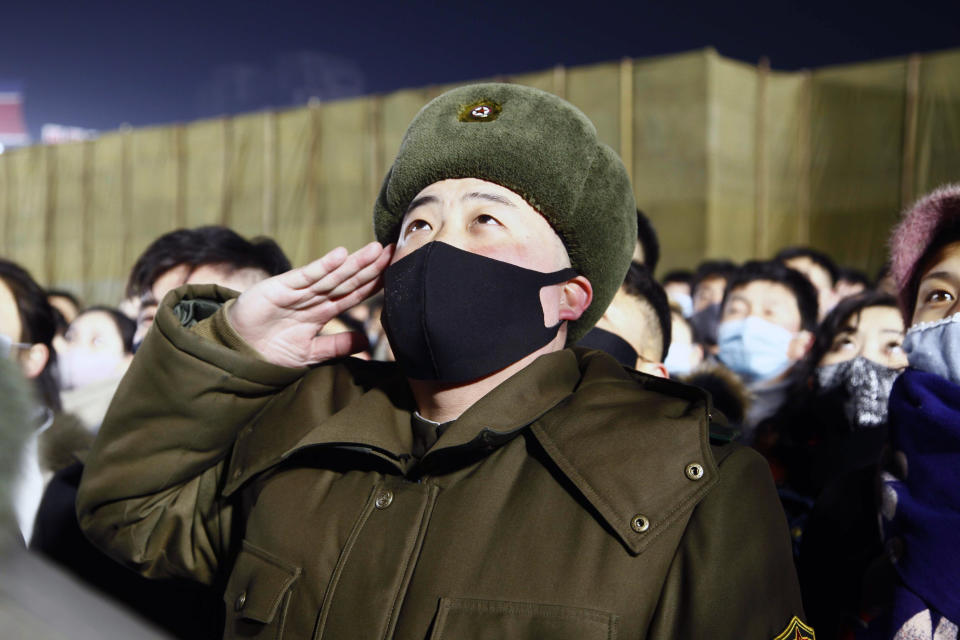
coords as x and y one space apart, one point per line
524 434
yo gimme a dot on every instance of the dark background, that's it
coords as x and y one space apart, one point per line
102 64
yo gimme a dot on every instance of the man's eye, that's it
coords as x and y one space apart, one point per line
483 218
416 225
894 347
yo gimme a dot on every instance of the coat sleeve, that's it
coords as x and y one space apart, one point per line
733 574
150 494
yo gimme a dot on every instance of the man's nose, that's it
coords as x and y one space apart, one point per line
451 234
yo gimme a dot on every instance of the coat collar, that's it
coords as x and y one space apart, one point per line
629 443
625 440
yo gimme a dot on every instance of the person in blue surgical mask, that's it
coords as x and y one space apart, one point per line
686 352
769 313
677 285
920 497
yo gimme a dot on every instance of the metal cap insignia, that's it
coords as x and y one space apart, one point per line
482 111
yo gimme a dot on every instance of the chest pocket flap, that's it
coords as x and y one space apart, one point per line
464 618
258 585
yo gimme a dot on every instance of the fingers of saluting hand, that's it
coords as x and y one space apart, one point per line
322 275
308 275
354 280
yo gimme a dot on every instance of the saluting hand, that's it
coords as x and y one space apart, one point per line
282 317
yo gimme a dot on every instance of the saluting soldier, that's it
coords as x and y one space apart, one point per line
493 482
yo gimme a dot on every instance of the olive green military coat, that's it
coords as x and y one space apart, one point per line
575 500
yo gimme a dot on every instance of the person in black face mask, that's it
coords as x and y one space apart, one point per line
495 477
706 290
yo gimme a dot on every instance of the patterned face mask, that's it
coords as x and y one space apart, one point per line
866 387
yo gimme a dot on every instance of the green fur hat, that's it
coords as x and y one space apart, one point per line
541 148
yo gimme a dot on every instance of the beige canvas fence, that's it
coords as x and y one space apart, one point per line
728 159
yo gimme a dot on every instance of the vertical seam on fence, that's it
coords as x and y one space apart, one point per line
626 115
269 217
126 231
560 81
49 215
86 205
805 146
179 149
908 160
376 146
226 199
9 200
316 218
760 161
707 235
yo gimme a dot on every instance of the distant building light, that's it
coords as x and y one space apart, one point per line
58 133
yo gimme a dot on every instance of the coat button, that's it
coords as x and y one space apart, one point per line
240 601
639 523
694 471
384 500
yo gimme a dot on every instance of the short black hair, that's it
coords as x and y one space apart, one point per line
38 323
831 325
775 271
647 237
640 283
126 327
818 257
854 275
677 275
202 246
63 293
712 269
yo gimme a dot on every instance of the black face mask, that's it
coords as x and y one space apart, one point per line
455 316
611 343
707 323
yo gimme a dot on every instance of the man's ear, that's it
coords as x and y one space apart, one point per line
33 360
799 345
657 369
575 297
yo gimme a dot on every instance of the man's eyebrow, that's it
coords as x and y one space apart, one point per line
490 197
421 201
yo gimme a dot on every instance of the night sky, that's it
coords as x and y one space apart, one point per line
99 64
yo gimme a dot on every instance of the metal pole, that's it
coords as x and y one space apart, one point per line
760 169
626 114
909 159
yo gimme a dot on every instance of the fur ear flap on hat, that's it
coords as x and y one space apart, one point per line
916 232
